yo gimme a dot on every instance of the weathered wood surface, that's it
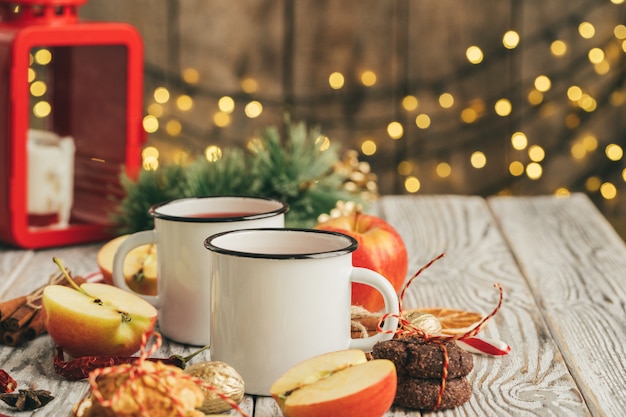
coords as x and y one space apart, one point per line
575 265
558 260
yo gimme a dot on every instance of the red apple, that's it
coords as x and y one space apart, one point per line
140 266
341 383
381 249
96 319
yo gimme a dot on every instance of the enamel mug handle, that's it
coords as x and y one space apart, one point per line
377 281
146 237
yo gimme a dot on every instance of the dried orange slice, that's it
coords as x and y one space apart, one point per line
452 321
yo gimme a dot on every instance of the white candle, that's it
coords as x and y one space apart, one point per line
50 175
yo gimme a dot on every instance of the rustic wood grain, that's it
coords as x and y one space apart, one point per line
561 291
575 264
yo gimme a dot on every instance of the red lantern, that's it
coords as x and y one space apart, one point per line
70 121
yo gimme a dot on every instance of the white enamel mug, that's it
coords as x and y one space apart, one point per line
280 296
183 264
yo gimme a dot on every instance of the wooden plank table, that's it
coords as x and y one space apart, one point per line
562 267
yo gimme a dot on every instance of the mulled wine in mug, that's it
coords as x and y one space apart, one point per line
280 296
183 264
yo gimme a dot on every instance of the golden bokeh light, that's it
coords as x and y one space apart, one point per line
590 142
213 153
150 124
184 102
535 97
443 169
43 56
191 76
422 121
562 192
410 103
543 83
592 184
161 95
511 39
395 130
474 54
150 152
586 30
534 171
405 168
412 184
38 88
614 152
469 115
503 107
577 150
155 109
478 159
173 127
249 85
368 78
150 164
336 80
226 104
536 153
253 109
516 168
446 100
574 93
558 48
368 147
595 55
608 190
221 119
519 141
42 109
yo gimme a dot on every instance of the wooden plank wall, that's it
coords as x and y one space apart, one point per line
415 47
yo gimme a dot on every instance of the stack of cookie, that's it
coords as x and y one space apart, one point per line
420 365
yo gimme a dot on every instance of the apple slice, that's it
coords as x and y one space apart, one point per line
338 383
140 266
98 319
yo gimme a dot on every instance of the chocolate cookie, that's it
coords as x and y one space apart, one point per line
421 394
417 358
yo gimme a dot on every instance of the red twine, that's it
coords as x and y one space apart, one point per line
136 370
406 328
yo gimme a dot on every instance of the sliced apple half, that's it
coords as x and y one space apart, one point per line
341 383
140 266
98 320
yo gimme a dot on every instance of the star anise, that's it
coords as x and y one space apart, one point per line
27 399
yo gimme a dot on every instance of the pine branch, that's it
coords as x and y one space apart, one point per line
298 169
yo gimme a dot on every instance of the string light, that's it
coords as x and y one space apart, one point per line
422 121
150 124
410 103
368 147
412 184
478 160
336 80
572 107
161 95
395 130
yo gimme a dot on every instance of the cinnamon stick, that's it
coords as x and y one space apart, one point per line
35 327
20 317
8 307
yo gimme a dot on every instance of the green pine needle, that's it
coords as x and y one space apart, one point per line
297 169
